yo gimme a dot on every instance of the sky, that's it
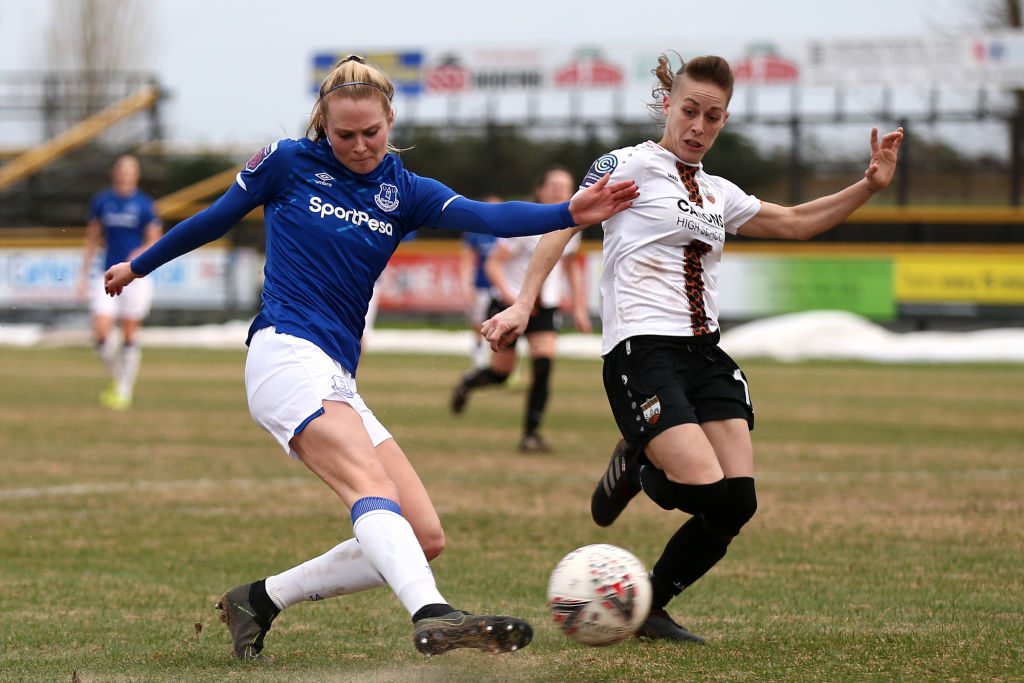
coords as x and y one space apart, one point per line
238 71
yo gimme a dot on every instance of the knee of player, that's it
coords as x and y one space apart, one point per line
738 507
432 543
694 499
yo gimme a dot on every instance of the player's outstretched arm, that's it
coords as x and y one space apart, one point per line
597 203
806 220
502 330
206 226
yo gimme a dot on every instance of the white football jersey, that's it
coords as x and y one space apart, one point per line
514 268
662 255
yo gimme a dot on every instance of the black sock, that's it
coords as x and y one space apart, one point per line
482 377
690 498
662 592
260 600
689 554
437 609
538 397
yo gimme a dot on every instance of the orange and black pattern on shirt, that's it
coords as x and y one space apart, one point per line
687 176
693 272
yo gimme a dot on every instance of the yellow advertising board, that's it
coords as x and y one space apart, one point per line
978 278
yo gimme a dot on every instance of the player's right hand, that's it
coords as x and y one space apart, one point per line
503 329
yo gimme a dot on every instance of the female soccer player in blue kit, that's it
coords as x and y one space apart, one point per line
336 207
681 404
124 219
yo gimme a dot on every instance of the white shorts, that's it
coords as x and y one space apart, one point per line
133 303
287 379
371 313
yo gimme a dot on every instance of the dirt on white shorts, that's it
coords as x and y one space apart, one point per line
287 379
133 303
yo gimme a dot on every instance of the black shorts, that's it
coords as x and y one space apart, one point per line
542 319
656 382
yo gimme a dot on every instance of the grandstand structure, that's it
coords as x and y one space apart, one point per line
84 120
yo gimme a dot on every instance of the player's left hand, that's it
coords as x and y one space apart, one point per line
884 155
117 277
602 200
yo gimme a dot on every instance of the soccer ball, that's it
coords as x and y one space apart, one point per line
599 594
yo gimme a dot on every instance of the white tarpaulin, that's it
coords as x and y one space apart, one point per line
831 335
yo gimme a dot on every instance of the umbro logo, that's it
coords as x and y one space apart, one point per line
325 178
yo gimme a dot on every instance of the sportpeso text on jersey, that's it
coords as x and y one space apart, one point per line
325 209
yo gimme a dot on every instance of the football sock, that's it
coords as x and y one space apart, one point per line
481 354
342 570
131 358
690 498
259 599
390 544
689 554
431 611
107 352
538 396
482 377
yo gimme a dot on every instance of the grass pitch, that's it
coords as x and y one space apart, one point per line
889 543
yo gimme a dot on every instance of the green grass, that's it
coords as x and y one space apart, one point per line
889 542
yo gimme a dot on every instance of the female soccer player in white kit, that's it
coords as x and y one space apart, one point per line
681 404
506 266
336 207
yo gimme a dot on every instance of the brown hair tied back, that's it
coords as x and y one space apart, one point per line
706 69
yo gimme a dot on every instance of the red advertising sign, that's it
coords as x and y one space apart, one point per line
450 77
422 283
763 64
428 282
589 70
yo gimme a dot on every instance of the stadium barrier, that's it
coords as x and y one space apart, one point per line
882 282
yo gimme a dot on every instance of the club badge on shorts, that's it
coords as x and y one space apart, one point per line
343 385
652 409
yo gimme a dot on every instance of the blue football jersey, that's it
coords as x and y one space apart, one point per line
329 234
482 245
124 221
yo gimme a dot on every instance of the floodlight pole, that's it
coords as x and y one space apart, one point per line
903 165
1016 129
796 175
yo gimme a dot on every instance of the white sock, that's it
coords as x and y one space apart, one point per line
482 355
107 352
390 544
131 358
342 570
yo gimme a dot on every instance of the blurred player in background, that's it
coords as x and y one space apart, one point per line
336 207
473 250
124 219
505 268
682 405
370 319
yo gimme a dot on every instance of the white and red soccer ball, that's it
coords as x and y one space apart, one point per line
599 594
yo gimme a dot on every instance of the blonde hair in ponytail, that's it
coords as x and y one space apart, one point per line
352 78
